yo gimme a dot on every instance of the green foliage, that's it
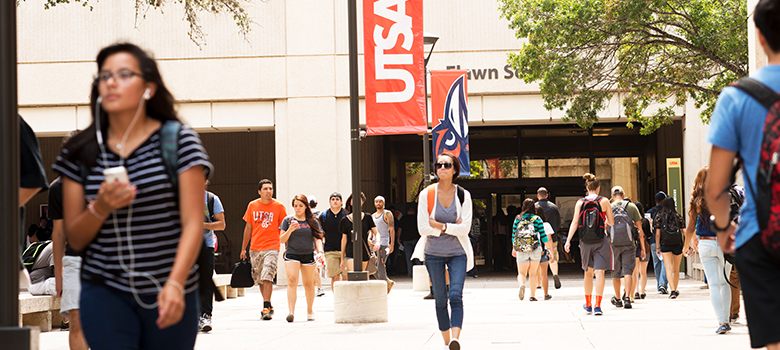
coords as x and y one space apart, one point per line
582 52
192 11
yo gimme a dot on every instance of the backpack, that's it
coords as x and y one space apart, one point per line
591 221
525 239
432 197
621 233
670 229
766 192
32 252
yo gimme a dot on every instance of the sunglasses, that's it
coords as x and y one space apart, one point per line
443 165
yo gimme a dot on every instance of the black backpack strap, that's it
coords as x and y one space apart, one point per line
758 91
461 194
169 144
210 205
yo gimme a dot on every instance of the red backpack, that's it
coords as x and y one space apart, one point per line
766 190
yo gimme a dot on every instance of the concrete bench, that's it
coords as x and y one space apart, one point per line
420 278
222 281
40 311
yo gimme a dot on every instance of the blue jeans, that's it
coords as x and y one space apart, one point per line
456 265
720 291
111 319
408 250
658 269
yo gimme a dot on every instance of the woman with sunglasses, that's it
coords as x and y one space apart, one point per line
444 222
141 233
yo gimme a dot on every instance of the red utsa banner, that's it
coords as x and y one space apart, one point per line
450 114
395 80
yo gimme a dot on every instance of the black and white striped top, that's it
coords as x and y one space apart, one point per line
155 224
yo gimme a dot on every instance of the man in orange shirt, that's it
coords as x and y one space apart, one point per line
263 217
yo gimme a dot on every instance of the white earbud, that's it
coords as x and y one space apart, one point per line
148 94
99 100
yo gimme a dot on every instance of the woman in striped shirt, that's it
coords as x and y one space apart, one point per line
528 262
140 239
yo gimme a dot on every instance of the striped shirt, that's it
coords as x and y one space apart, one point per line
155 226
538 226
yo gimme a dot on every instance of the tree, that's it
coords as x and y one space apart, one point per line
192 9
651 51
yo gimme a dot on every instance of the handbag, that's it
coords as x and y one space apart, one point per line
242 275
372 260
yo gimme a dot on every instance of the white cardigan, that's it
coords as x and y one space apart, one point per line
459 230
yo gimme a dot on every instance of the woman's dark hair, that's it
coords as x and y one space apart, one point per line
83 146
455 163
591 182
766 17
314 223
641 208
528 206
540 213
698 204
669 206
348 206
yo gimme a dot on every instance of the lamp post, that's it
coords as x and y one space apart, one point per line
357 208
428 39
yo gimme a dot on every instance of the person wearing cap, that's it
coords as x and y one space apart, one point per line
624 255
553 216
385 227
658 264
316 213
330 220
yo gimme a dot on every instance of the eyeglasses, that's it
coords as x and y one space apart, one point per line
120 76
443 165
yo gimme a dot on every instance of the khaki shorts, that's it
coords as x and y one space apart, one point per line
333 262
263 265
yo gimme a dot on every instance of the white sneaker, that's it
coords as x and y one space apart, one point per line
205 323
320 292
310 317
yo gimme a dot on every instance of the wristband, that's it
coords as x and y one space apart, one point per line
176 284
715 226
95 213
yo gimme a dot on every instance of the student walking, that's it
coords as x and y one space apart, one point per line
547 256
409 235
711 255
330 220
669 240
552 219
640 270
263 217
624 247
302 234
385 226
214 220
591 214
348 235
140 229
444 222
528 238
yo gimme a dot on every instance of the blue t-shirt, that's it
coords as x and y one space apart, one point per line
738 125
208 235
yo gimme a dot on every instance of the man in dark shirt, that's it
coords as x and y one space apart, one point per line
553 216
330 220
658 264
40 232
32 179
407 231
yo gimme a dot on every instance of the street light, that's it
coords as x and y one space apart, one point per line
428 39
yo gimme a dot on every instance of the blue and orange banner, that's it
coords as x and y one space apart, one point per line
450 114
394 66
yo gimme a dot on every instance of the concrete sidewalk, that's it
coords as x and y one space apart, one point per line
494 318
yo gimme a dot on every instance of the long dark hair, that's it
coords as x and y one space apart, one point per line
313 222
669 210
84 147
698 204
349 205
540 213
528 207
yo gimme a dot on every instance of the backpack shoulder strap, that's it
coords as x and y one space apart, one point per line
210 203
758 91
169 144
461 194
431 198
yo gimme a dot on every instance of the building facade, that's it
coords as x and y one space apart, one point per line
275 104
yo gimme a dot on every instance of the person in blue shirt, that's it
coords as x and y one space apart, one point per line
214 221
737 128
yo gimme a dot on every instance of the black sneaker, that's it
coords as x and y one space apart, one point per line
65 325
429 296
557 282
615 301
626 302
723 329
637 296
674 294
663 290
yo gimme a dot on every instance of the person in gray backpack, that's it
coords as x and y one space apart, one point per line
621 238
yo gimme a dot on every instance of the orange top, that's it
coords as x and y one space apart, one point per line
265 220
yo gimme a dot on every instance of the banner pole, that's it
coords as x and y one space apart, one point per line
354 113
